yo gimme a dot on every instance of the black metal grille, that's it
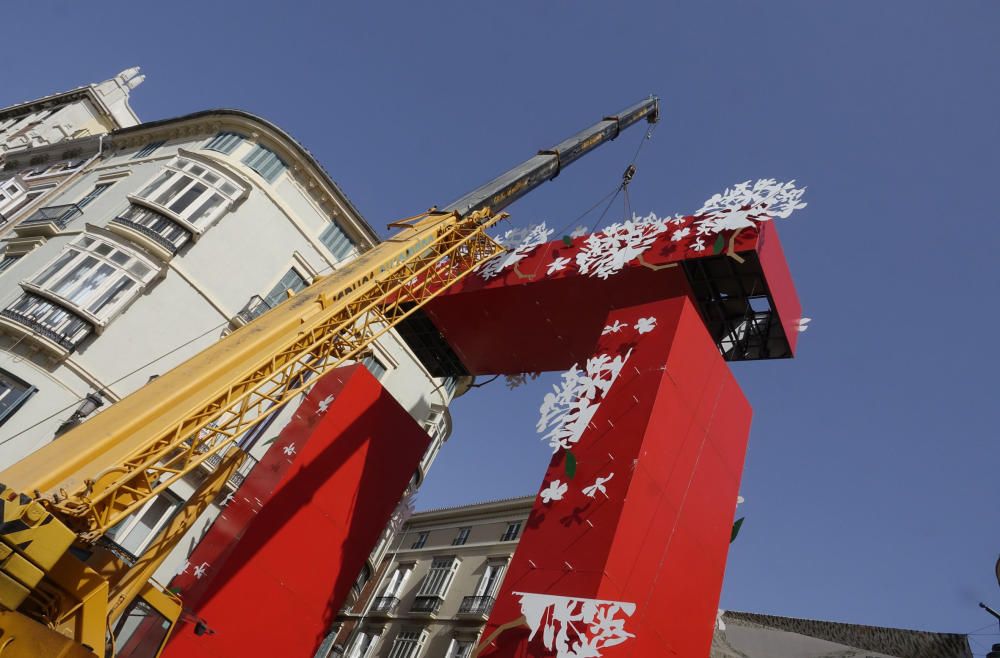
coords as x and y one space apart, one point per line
59 215
476 605
148 232
429 604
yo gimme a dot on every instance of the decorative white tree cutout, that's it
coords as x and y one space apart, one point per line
608 251
575 627
744 204
520 242
568 409
598 486
555 491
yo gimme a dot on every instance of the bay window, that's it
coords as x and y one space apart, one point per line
189 193
83 288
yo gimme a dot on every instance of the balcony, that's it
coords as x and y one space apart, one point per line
383 605
476 606
49 220
163 242
426 604
46 323
241 473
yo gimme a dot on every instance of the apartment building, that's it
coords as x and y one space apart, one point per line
433 590
128 247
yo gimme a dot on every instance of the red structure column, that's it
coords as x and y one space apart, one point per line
624 551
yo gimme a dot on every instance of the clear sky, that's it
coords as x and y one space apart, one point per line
871 481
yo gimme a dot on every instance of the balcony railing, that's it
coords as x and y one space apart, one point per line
426 604
58 215
256 307
476 605
48 320
161 240
241 473
384 604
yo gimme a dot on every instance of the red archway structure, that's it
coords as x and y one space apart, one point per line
625 547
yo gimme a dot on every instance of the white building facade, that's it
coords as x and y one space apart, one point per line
128 247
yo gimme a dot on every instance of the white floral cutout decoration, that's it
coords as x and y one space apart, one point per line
645 325
744 204
614 328
598 487
557 265
575 627
608 251
520 242
555 491
568 409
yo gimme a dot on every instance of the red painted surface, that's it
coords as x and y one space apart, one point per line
277 573
673 430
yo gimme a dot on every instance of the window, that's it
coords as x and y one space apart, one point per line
512 531
438 579
14 392
157 226
362 579
338 242
11 192
291 281
49 320
147 150
408 644
98 190
364 644
265 162
95 276
449 384
460 649
396 581
326 649
420 541
461 537
375 367
225 142
491 578
190 192
6 261
136 531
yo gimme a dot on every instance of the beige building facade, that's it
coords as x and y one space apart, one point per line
435 586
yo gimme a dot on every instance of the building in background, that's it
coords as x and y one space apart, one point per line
750 635
434 588
128 247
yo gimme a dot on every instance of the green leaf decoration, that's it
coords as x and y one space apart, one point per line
568 241
570 464
736 529
720 244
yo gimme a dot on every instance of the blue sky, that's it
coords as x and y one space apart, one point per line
871 480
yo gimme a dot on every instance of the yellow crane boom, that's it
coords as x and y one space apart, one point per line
76 488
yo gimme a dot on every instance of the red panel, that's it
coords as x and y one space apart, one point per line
305 520
660 537
779 280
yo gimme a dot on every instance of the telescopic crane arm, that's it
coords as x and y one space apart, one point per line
86 481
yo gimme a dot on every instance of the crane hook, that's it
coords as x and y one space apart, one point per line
627 176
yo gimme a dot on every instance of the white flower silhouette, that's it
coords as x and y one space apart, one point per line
324 404
680 234
614 328
555 491
598 486
645 325
519 242
558 265
698 245
579 232
201 570
677 219
803 324
289 449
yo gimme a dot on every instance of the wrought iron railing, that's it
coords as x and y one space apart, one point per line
384 604
256 307
59 215
164 242
429 604
48 320
476 605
